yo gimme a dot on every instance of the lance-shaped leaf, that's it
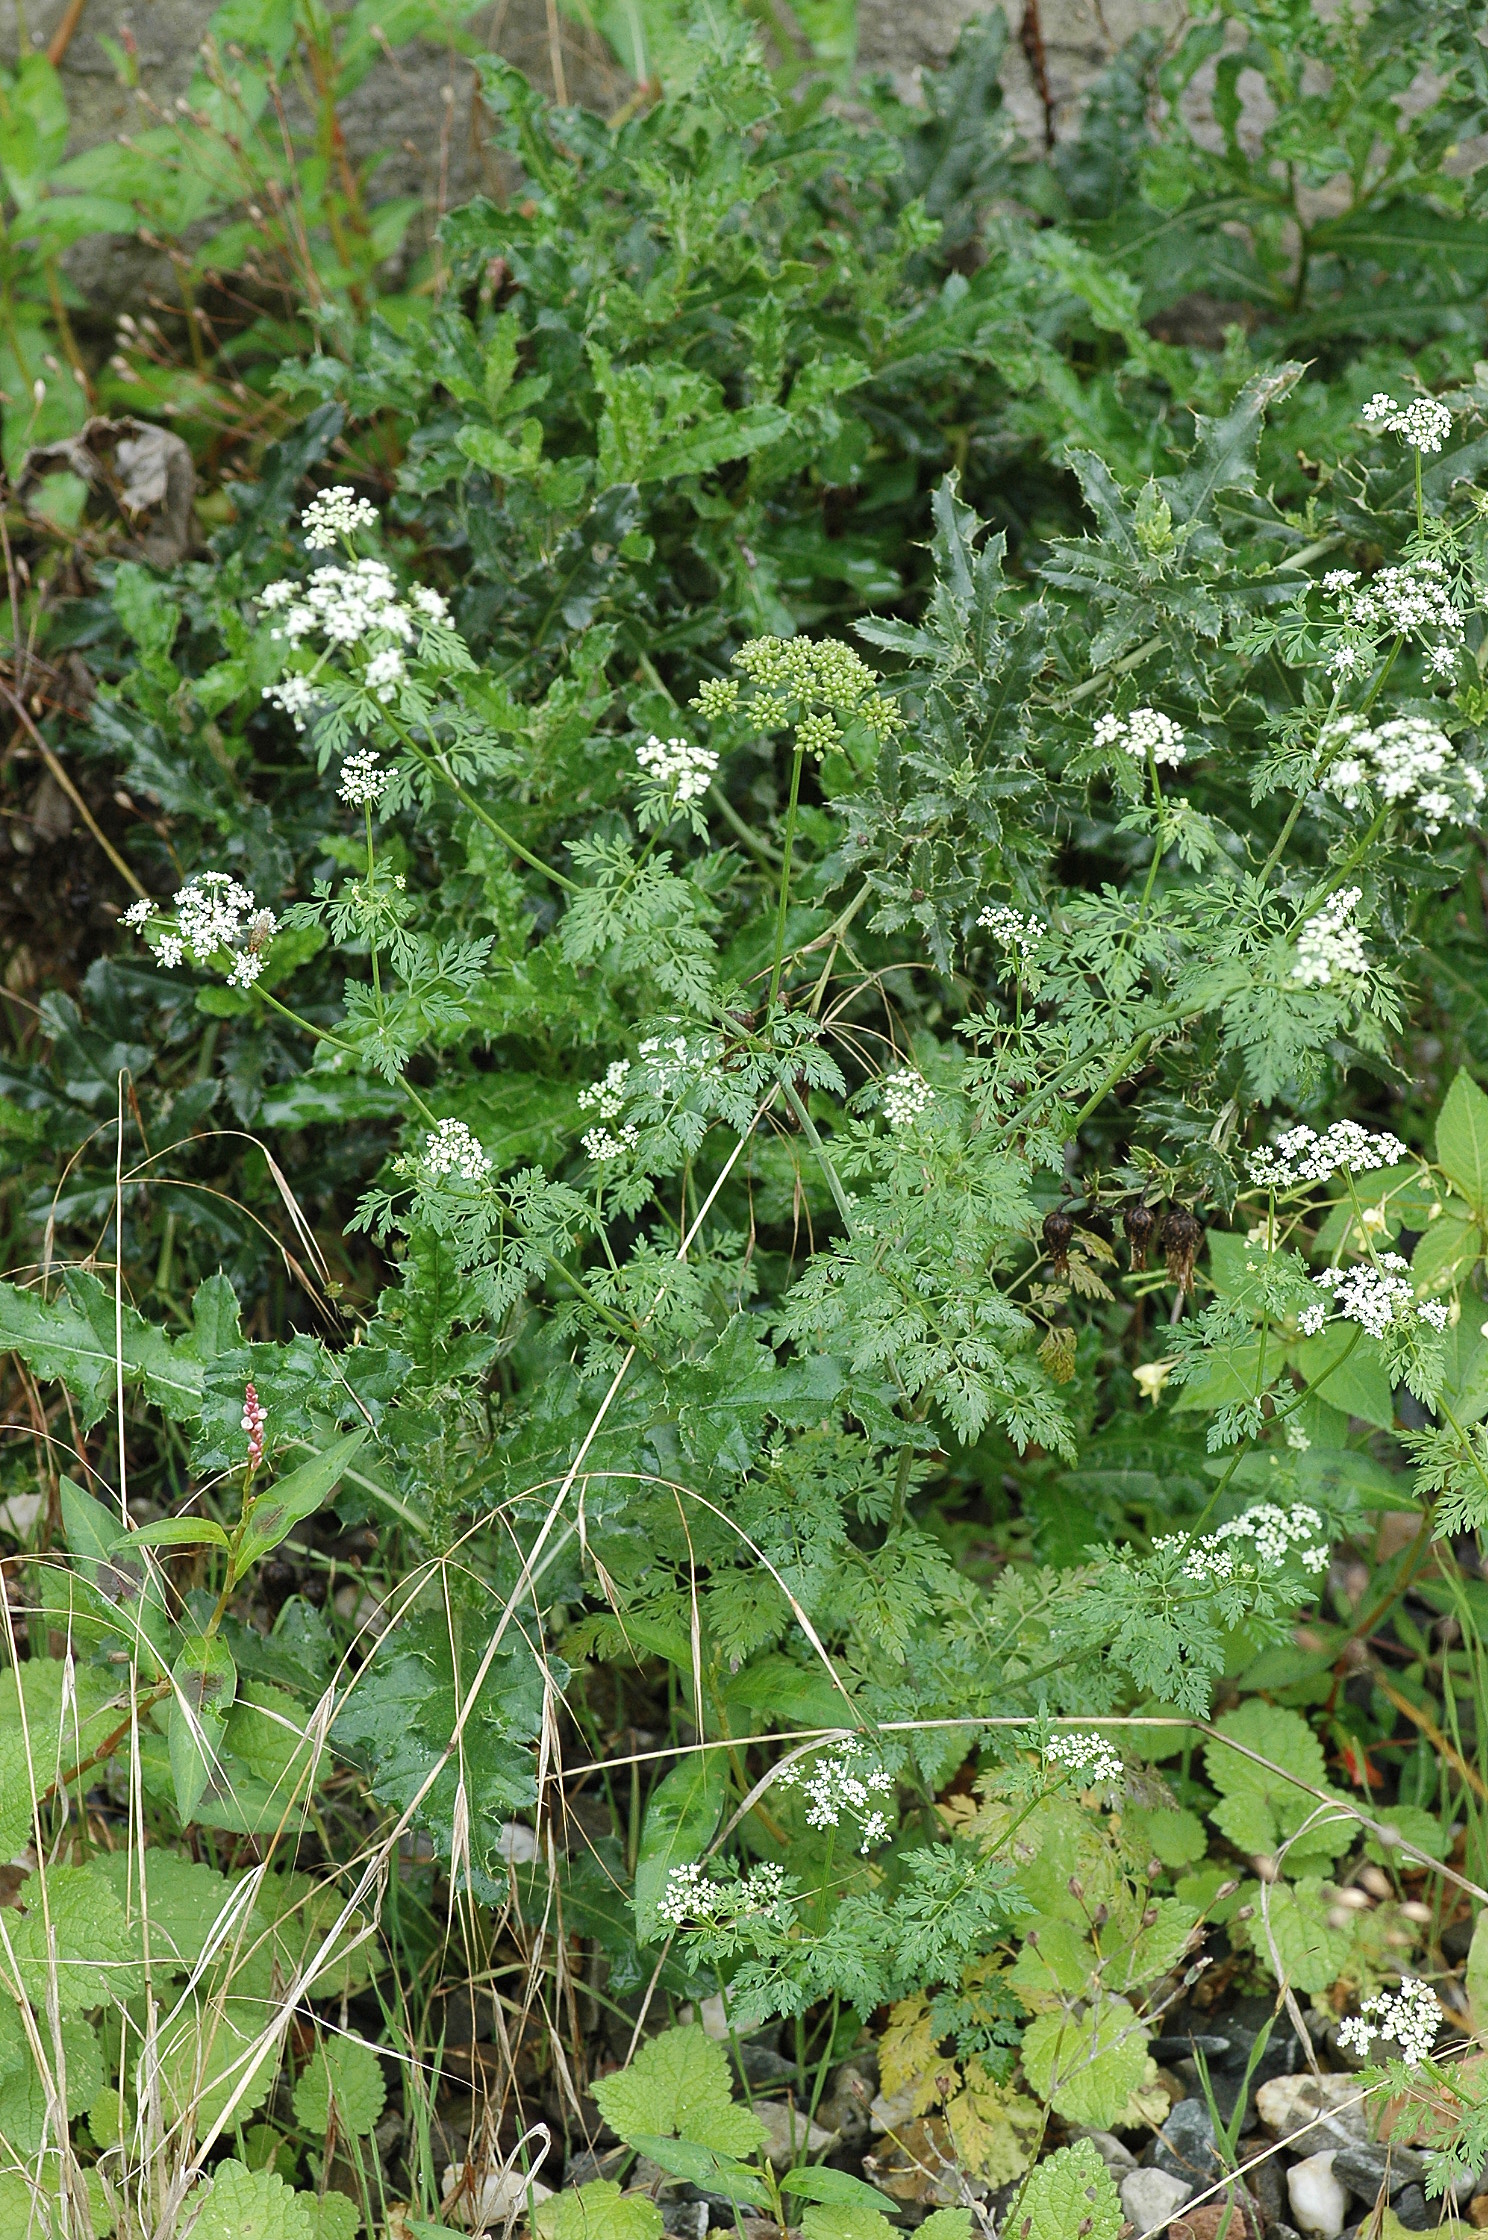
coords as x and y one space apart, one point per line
294 1498
204 1682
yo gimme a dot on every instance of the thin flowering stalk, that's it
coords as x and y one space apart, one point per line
1158 851
1330 886
787 846
436 767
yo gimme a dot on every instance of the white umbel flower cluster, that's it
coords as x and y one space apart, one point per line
1144 731
344 605
1424 423
841 1783
1409 761
1301 1155
1011 928
1086 1752
384 673
905 1095
692 1899
687 771
363 780
1330 946
1413 600
1249 1547
451 1149
1409 2018
334 514
602 1146
213 911
358 606
607 1098
1374 1293
294 695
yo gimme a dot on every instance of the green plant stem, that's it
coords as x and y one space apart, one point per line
787 846
437 769
808 1130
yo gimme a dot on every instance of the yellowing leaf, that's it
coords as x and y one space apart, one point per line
995 2129
909 2053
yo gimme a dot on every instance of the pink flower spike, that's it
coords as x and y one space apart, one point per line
254 1419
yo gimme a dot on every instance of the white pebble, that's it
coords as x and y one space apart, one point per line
1319 2203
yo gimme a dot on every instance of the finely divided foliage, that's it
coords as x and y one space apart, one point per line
718 964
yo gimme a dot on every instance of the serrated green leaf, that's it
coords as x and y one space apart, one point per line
1087 2068
1310 1952
1257 1808
345 2074
245 2204
598 2211
844 2220
1072 2192
679 2085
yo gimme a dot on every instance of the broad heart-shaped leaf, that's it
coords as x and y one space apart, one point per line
679 2084
1462 1141
1347 1371
207 2046
1073 2192
1088 2069
177 1908
67 1718
845 2220
680 1819
249 2204
1054 1964
294 1498
704 2167
597 2211
345 2074
1258 1808
1310 1954
96 1949
25 2120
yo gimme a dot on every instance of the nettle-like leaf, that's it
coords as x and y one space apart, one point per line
244 2204
598 2211
1259 1809
1073 2192
1087 2068
342 2079
678 2085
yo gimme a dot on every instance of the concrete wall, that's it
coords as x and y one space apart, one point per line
420 108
